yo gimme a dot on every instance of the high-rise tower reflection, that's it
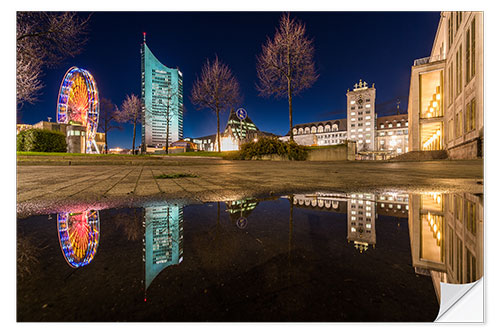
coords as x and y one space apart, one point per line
163 238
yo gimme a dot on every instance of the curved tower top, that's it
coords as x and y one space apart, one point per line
162 102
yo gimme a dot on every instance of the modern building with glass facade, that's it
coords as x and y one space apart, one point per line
445 103
162 102
163 241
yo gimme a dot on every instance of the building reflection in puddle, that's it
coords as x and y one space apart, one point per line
445 230
78 236
239 210
446 233
163 241
361 210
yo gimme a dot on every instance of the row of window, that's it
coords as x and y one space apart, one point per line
314 129
455 73
470 121
390 125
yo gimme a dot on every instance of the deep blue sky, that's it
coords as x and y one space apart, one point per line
378 47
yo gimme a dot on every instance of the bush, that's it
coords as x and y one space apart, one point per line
269 146
41 141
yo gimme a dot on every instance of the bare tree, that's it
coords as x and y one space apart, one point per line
286 65
129 113
217 89
44 39
108 118
168 97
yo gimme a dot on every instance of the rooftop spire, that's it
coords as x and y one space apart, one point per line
144 36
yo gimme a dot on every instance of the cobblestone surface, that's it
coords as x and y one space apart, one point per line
48 185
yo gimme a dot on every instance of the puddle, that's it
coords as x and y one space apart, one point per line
302 257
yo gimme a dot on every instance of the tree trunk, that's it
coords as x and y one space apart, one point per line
133 140
168 132
218 131
290 109
106 141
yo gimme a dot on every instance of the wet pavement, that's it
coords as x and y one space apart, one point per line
311 256
44 185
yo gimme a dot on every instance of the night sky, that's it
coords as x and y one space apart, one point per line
378 47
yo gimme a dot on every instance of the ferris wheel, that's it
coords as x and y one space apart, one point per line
79 236
78 104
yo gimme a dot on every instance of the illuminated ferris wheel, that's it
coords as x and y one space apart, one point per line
79 236
78 104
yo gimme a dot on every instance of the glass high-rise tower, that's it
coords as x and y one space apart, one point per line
161 89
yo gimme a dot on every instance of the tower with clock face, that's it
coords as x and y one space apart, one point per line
361 116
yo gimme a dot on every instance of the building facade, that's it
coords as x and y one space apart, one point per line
162 102
319 133
445 103
75 135
163 240
392 134
236 133
447 237
361 116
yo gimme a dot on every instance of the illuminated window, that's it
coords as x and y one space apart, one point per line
368 141
368 117
368 105
390 125
352 102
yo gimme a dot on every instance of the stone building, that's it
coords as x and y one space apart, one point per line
361 116
392 134
376 137
445 103
319 133
75 135
446 237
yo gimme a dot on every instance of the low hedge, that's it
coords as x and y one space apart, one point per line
40 140
269 146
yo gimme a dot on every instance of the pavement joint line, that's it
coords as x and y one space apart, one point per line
157 185
138 178
109 189
93 184
62 188
202 186
189 192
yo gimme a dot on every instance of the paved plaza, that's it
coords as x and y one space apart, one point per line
45 184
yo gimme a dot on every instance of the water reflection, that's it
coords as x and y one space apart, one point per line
446 233
239 210
78 236
446 230
314 256
163 239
